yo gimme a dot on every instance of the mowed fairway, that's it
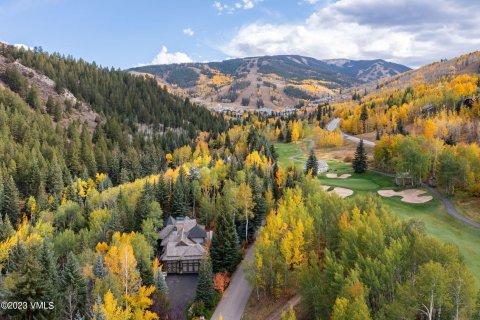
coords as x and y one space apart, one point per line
289 153
437 221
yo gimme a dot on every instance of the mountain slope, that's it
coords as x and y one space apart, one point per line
269 81
465 64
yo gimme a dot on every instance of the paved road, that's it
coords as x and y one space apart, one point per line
450 207
446 202
235 298
332 125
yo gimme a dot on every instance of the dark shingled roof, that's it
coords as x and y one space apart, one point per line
197 232
170 221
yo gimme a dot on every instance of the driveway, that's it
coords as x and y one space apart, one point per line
235 298
181 291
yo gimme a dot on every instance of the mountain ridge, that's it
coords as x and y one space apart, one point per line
268 81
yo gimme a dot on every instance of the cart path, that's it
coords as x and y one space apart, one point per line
449 206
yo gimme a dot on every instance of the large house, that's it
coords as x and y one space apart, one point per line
183 245
322 166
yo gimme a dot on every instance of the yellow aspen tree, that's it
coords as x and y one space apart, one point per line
111 310
295 131
140 302
122 263
245 203
429 129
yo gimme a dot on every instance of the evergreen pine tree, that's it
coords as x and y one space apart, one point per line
11 201
359 162
88 156
124 176
6 229
16 257
205 291
50 105
33 98
225 249
228 143
42 198
161 193
73 154
116 221
57 111
311 164
51 277
290 182
101 150
143 205
160 283
28 282
99 268
288 139
260 207
179 199
55 180
73 287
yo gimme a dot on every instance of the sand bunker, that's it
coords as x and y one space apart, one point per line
409 195
342 192
336 176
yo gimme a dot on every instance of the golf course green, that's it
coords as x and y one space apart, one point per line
433 214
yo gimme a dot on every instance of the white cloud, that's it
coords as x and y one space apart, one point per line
188 31
409 31
22 46
165 57
230 8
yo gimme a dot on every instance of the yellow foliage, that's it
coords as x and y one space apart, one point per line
122 263
140 302
169 158
429 129
101 247
324 138
295 131
111 310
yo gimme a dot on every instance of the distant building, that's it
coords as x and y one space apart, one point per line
322 166
183 245
265 111
404 178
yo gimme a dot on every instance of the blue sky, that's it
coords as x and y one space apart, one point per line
128 33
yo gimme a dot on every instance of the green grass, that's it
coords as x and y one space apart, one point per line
286 151
441 225
433 214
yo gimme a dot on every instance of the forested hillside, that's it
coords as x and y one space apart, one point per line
41 157
115 94
82 205
438 122
268 81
